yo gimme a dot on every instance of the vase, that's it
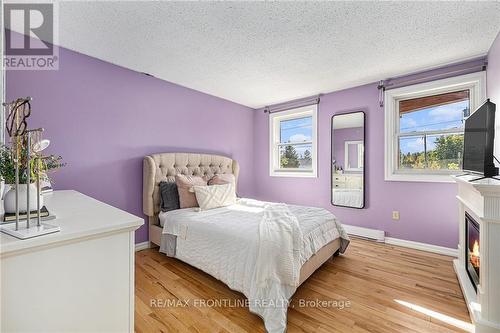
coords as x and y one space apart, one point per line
9 199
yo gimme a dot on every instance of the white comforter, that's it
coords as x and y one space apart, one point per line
254 247
348 197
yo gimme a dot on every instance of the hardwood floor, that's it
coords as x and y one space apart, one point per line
389 288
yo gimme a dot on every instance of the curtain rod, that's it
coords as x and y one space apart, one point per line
472 67
384 85
292 104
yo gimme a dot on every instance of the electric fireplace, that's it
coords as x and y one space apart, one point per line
472 250
478 264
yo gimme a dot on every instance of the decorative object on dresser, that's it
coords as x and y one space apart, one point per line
478 263
80 279
45 164
21 163
10 198
10 217
348 159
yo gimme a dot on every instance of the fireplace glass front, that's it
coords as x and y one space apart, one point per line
472 254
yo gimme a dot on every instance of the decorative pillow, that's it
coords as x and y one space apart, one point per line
222 178
184 184
215 196
169 196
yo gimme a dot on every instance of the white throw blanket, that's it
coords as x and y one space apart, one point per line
278 270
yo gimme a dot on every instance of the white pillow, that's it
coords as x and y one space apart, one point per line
215 196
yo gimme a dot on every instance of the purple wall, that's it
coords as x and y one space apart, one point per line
339 138
493 73
493 85
103 119
428 210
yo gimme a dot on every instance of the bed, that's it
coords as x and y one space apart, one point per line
348 197
231 232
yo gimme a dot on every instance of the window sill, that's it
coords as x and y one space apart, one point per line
292 174
422 178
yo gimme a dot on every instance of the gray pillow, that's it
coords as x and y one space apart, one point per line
169 196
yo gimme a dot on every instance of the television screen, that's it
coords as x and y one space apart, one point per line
478 139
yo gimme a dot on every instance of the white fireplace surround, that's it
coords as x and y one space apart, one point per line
481 200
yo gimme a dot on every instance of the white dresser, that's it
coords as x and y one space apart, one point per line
352 181
80 279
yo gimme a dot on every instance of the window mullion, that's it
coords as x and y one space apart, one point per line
426 160
295 143
436 132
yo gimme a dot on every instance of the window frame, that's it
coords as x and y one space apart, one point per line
274 142
474 82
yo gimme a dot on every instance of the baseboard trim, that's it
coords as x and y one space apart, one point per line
371 234
142 246
377 235
422 246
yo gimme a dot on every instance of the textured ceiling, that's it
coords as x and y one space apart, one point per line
259 53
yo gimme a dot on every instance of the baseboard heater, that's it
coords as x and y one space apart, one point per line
366 233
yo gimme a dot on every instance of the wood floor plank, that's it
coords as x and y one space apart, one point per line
379 282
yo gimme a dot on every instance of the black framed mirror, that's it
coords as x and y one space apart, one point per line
348 160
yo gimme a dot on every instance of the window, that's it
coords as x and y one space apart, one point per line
293 142
354 153
424 127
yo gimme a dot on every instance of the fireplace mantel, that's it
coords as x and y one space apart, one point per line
481 200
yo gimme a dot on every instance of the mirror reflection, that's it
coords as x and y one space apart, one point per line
348 153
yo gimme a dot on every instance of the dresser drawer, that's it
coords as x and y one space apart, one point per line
339 178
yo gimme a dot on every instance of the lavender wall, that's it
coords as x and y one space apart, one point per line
493 85
428 210
493 73
103 119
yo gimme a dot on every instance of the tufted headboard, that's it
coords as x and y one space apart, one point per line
164 167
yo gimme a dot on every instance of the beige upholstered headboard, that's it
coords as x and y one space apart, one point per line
164 167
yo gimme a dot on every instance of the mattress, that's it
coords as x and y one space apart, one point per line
316 224
348 197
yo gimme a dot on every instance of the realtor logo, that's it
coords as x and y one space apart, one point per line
29 36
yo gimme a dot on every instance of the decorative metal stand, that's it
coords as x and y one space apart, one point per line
17 127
